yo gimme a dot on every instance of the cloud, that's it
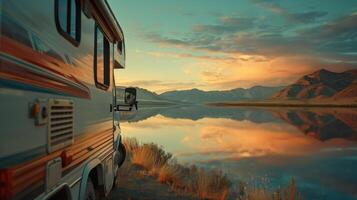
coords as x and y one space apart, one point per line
189 55
337 38
276 72
185 12
263 43
305 17
156 83
228 24
195 40
156 37
296 17
242 52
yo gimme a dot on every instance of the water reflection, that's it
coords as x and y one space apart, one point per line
199 112
321 123
316 146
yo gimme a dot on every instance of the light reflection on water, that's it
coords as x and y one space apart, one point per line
318 147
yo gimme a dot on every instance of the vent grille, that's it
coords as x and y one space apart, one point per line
60 126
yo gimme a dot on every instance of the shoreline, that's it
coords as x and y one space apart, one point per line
288 104
151 173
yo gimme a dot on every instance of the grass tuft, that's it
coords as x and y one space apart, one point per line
150 156
198 182
213 185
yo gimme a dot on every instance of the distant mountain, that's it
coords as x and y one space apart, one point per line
322 84
348 92
239 94
144 96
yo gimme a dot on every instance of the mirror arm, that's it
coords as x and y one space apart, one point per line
117 107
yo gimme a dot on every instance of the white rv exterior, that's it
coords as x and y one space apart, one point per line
59 135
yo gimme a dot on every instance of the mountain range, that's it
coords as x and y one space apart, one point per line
200 96
238 94
320 85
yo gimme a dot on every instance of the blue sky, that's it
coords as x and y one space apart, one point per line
225 44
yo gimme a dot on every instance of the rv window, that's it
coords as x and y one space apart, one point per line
101 60
120 47
68 15
62 14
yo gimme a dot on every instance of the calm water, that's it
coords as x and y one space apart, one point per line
318 147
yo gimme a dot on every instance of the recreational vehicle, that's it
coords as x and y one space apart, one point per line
59 122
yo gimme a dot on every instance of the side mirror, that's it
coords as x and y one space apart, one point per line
130 97
129 100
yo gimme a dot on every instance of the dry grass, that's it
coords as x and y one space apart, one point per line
150 156
287 193
171 174
130 144
200 183
182 179
205 184
212 184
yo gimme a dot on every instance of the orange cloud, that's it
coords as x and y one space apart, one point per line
250 70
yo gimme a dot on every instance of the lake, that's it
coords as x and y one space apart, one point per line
261 146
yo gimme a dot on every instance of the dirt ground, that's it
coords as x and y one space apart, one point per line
133 184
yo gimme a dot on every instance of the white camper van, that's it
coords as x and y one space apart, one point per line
59 130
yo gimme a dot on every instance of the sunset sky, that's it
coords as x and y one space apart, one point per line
225 44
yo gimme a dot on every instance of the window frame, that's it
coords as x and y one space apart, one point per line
66 33
106 53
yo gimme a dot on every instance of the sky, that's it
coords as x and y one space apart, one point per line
226 44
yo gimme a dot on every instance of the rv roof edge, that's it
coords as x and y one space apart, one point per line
104 16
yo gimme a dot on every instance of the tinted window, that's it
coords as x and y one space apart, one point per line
68 19
120 47
62 14
100 57
102 60
73 21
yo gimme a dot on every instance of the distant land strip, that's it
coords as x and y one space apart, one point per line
282 104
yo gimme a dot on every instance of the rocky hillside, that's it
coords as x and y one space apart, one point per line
322 84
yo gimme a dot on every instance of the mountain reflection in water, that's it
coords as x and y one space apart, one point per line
316 146
321 123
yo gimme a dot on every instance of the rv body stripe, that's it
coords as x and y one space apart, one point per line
22 156
22 64
20 177
25 86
